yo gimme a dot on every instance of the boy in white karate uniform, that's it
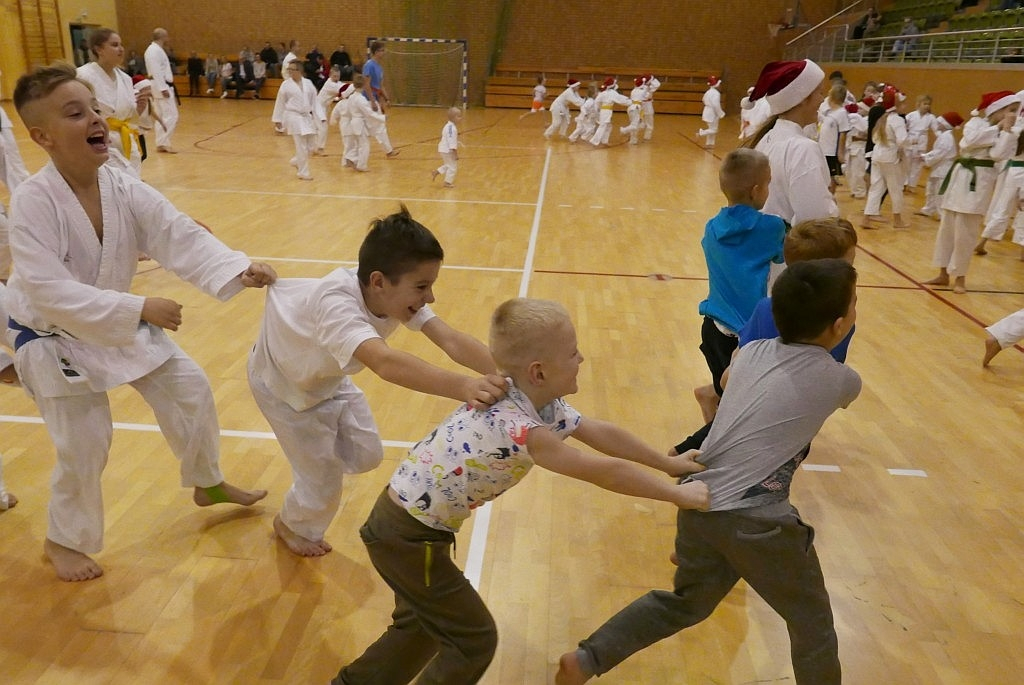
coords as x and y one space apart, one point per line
342 118
77 227
560 116
316 333
712 112
940 160
606 101
448 146
297 112
586 120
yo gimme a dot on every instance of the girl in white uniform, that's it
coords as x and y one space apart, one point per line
116 98
297 112
341 118
940 160
967 190
890 138
329 92
586 120
365 119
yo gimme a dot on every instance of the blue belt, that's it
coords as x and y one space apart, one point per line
25 334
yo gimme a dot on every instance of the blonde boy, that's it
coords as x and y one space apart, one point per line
440 624
448 146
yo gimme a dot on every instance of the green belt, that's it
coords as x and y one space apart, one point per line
971 164
1015 163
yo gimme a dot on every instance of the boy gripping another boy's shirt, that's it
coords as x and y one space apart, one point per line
316 333
77 228
781 391
441 628
740 244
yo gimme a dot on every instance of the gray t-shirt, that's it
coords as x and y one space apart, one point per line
777 399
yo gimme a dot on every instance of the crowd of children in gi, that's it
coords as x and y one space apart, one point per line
735 519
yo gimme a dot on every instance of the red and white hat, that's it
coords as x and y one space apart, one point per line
853 108
639 81
572 83
993 102
140 83
786 84
951 119
890 96
713 80
608 83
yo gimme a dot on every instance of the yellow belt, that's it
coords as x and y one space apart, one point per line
127 132
607 106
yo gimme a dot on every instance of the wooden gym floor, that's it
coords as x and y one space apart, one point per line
915 490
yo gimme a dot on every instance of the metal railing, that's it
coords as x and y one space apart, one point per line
991 45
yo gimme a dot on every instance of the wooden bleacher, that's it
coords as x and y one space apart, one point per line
267 92
680 92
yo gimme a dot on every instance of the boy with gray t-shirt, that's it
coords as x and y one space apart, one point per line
779 394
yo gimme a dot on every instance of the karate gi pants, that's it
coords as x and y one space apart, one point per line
81 429
322 444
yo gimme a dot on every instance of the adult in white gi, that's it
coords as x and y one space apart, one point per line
297 112
800 185
158 66
967 190
116 98
712 112
606 101
560 116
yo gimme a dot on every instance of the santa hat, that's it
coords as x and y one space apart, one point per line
993 102
853 108
608 83
786 84
140 83
890 96
869 101
638 81
951 119
713 81
572 83
745 103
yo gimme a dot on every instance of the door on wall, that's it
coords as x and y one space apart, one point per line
80 41
40 30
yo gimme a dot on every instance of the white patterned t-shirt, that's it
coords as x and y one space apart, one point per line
473 457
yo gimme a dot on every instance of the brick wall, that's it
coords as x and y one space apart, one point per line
728 36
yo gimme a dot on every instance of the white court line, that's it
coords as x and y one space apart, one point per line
482 523
225 432
342 262
916 473
228 191
830 468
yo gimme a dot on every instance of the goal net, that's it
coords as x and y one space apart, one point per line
425 72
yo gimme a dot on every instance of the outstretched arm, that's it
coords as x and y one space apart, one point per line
617 442
460 347
616 475
409 371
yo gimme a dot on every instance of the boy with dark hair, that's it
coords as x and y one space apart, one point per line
77 228
316 333
781 391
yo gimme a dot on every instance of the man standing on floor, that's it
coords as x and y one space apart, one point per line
158 66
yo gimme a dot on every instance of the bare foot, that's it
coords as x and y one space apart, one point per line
959 285
434 174
70 564
304 547
7 500
674 558
226 493
979 249
708 400
569 671
992 348
941 279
